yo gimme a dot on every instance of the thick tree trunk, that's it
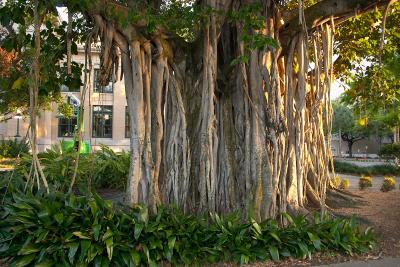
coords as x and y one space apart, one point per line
208 136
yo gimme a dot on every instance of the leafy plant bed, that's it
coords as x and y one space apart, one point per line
76 231
7 163
348 168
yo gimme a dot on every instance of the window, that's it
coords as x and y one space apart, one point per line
127 124
65 88
66 127
97 88
102 121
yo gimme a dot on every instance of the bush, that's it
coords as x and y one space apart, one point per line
81 231
344 184
389 184
365 182
112 168
390 150
336 181
105 168
13 148
348 168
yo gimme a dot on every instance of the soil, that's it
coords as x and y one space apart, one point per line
376 209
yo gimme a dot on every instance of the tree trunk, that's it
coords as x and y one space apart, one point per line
350 148
211 137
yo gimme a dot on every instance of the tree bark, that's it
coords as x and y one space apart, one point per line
211 137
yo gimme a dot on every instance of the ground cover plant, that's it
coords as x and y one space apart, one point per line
344 184
87 230
101 169
13 148
348 168
365 182
389 184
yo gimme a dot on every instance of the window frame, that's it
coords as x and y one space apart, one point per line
102 112
69 125
96 72
127 123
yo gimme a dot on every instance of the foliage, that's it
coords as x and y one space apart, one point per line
344 184
389 184
13 148
348 168
390 150
111 168
365 182
351 130
75 231
104 168
16 17
336 181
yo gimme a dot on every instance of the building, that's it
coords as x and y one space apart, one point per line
365 148
105 116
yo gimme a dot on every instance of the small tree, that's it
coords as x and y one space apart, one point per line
345 123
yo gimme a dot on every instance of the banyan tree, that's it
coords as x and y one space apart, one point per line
229 100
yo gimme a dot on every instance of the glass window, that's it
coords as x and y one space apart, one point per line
101 89
127 124
65 88
102 121
66 127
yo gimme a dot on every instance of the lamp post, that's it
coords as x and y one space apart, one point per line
18 116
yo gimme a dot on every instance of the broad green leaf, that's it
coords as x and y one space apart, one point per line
80 235
274 253
110 247
138 230
73 248
28 249
25 260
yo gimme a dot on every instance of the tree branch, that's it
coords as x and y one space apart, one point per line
339 10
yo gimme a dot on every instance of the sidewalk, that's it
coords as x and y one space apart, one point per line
385 262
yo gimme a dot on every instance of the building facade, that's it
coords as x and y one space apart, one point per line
105 116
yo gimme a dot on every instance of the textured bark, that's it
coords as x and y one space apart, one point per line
208 136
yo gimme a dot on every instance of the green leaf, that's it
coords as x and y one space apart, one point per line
96 231
45 263
275 236
17 84
59 217
274 253
135 256
80 235
138 230
107 234
110 247
73 248
28 249
171 242
25 260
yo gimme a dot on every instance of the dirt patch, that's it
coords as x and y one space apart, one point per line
382 212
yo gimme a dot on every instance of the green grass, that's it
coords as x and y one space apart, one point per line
348 168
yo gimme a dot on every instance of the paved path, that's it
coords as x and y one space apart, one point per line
386 262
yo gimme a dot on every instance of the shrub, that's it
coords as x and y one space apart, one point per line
389 184
13 148
390 150
82 231
112 168
344 184
105 168
336 181
348 168
365 181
